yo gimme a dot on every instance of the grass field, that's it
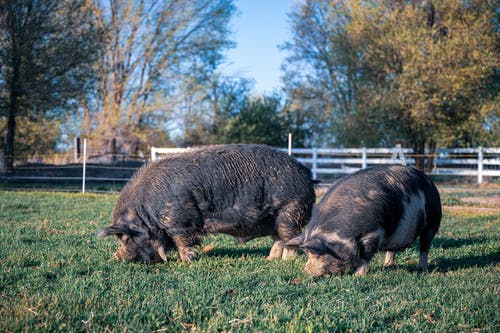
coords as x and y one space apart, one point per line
55 275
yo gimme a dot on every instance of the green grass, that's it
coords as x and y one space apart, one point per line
55 275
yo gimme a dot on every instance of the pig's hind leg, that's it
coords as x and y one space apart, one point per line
433 221
289 222
426 238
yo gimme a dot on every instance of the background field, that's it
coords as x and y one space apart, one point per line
55 275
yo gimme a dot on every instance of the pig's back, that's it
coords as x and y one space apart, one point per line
373 197
214 178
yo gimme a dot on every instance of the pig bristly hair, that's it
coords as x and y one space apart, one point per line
222 188
378 208
374 192
207 175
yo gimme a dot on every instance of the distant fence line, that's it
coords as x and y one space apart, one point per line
324 162
478 162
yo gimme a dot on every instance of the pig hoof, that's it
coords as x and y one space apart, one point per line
276 250
289 254
186 259
423 262
389 259
361 271
188 255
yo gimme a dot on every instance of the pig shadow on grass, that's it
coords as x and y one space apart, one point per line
468 261
450 265
444 265
235 252
448 243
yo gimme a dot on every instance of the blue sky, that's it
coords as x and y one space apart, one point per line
258 28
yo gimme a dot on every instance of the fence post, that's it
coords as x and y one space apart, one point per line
480 165
113 149
363 156
153 154
315 163
84 164
394 154
290 144
402 155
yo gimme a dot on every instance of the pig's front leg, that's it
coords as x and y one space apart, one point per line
186 247
368 246
276 250
389 259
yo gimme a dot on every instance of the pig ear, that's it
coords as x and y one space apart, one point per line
315 246
118 230
294 242
112 230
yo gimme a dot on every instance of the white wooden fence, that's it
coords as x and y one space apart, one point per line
477 162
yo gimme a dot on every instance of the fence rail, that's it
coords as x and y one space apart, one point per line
478 162
324 162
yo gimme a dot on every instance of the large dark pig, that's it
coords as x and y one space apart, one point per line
383 208
246 191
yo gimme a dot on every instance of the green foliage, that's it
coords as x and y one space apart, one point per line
155 54
55 275
227 113
320 71
258 121
211 104
48 49
47 55
36 137
420 72
430 63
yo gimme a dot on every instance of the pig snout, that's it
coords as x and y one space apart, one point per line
122 254
147 256
321 265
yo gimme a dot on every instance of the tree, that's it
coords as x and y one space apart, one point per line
226 112
207 111
35 137
321 69
154 50
47 49
427 63
260 120
420 72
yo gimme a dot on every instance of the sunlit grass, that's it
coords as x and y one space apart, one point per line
56 275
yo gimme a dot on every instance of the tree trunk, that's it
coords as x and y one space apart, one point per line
9 143
14 86
419 151
429 162
113 149
11 126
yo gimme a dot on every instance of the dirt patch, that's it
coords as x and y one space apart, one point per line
484 201
472 210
